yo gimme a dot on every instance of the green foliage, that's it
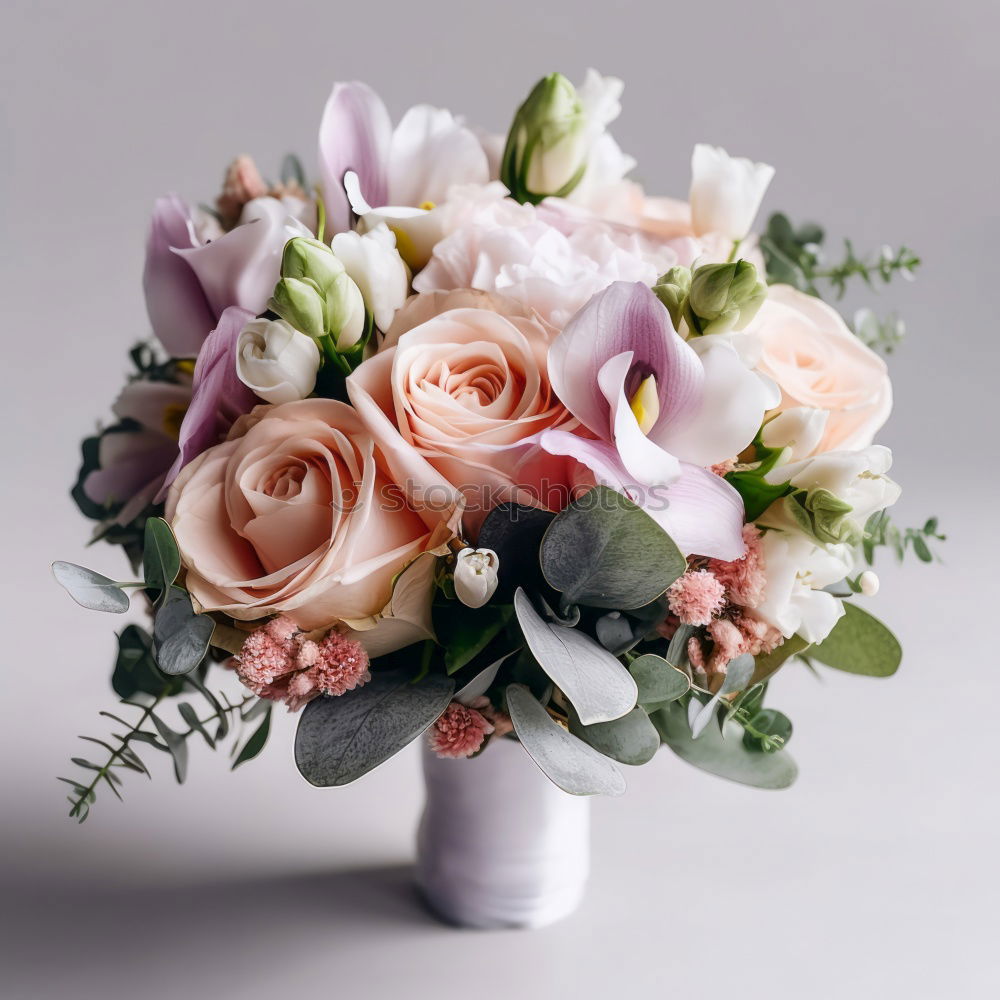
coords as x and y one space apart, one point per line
292 171
881 532
658 681
721 751
151 730
794 256
464 633
161 559
757 493
136 671
859 644
767 731
340 739
632 739
768 663
180 636
603 551
564 759
883 335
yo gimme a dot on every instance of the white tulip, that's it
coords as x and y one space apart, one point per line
797 430
276 361
476 576
726 192
374 264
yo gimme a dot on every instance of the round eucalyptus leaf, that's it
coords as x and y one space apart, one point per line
180 636
89 589
859 644
341 738
658 681
603 551
632 739
565 760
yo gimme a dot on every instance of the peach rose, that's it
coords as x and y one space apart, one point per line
808 350
462 388
297 513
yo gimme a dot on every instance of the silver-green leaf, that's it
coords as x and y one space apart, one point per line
597 683
161 560
658 681
859 644
565 760
89 589
181 637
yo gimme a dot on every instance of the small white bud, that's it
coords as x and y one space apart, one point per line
278 362
726 192
868 583
476 576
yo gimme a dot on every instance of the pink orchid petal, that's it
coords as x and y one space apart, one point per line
731 411
626 316
219 396
645 461
177 305
703 514
354 134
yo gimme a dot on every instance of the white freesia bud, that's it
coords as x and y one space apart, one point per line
374 264
868 583
476 576
797 430
726 192
276 361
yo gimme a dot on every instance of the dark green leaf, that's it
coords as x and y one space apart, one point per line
565 760
176 744
727 758
135 667
605 552
657 680
190 716
767 664
255 744
181 637
292 172
769 721
465 632
859 644
632 739
89 589
340 739
161 560
515 533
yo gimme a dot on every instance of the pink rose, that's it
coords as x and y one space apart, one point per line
817 362
297 513
461 389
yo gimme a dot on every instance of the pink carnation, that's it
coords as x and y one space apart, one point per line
460 731
696 597
743 578
278 663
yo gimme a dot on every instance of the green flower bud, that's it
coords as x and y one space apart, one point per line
822 514
317 296
724 297
300 303
548 143
672 290
308 258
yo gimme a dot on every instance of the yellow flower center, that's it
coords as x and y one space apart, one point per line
645 404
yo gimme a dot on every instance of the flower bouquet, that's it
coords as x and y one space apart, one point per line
473 441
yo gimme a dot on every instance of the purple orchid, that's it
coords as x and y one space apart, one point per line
218 395
175 300
661 409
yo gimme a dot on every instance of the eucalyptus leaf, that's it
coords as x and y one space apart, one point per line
727 758
482 682
464 632
738 674
181 637
255 744
161 559
677 648
514 532
135 667
89 589
190 716
632 739
176 744
769 721
341 738
597 684
658 681
565 760
859 644
603 551
615 633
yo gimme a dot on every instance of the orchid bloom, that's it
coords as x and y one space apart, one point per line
661 410
218 396
396 176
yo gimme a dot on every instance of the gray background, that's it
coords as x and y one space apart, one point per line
875 876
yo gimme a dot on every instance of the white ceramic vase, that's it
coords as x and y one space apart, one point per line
498 844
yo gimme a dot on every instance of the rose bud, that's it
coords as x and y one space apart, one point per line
276 361
476 576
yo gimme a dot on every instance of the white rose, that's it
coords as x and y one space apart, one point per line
374 264
276 361
726 192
